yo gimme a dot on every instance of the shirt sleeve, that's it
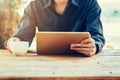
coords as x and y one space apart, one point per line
94 25
26 27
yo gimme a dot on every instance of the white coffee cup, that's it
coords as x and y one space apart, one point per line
19 48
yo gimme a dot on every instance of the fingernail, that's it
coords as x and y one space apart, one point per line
71 45
82 43
71 48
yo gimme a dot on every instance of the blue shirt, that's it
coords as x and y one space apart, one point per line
78 16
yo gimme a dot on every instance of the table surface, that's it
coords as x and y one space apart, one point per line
105 65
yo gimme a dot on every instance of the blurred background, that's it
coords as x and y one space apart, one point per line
11 12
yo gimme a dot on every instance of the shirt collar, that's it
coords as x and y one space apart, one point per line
47 3
75 2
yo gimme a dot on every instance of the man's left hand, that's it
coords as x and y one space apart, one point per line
86 47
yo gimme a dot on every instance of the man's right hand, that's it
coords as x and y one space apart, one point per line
7 44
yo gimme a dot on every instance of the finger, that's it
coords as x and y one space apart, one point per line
11 40
87 53
14 39
87 40
83 49
77 45
90 45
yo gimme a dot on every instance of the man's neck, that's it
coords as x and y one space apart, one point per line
60 5
60 2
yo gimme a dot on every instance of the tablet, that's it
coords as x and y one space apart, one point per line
57 43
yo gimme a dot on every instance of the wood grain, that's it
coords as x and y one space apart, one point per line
33 67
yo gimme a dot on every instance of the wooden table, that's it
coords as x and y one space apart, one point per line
103 66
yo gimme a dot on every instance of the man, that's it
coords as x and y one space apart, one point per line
63 15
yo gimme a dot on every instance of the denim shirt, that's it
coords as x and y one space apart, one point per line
78 16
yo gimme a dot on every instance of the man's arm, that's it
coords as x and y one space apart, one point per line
94 25
95 43
26 27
